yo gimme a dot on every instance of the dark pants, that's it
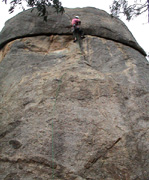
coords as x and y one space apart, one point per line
78 32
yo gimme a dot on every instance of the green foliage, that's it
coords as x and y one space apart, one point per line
122 7
41 6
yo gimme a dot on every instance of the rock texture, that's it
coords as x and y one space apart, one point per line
94 22
72 111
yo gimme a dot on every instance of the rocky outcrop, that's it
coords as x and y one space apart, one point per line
72 111
94 22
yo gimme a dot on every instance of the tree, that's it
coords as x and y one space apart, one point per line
118 7
41 6
130 11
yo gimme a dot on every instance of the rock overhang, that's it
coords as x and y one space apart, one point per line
95 22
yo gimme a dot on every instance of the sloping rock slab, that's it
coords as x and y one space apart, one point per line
94 22
73 113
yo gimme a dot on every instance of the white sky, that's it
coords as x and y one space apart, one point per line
139 26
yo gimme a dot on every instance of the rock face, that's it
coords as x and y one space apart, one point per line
94 21
72 111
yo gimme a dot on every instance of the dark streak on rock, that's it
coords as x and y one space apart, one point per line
10 128
60 170
99 155
114 144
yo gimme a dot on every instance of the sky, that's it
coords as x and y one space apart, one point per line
139 26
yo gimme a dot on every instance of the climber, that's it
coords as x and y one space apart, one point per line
76 23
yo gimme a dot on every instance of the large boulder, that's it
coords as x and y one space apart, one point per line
94 22
72 111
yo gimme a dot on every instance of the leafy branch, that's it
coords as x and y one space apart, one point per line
41 6
130 11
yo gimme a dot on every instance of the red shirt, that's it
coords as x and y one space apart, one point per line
75 21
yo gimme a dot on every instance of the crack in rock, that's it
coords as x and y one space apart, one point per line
99 154
59 170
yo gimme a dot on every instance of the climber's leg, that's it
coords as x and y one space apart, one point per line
75 34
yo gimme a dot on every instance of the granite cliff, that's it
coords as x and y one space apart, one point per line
72 111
